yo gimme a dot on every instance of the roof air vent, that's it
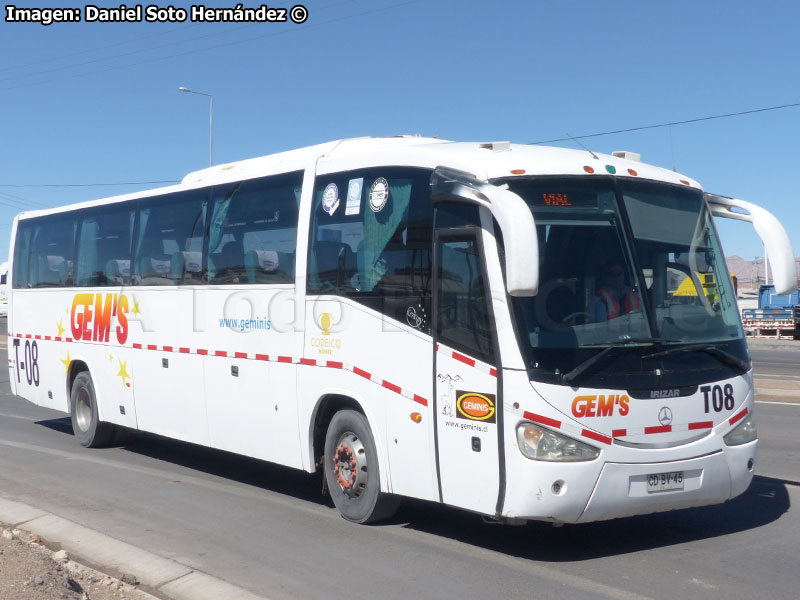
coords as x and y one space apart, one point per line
627 155
496 146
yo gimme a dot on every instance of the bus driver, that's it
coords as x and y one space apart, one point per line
614 297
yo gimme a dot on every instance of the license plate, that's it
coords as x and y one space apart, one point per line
660 482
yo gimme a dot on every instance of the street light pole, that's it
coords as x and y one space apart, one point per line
210 122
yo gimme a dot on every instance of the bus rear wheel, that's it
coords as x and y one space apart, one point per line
352 472
86 424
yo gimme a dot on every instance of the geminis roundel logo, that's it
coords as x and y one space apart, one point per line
476 407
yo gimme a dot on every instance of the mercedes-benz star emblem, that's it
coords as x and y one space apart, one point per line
665 415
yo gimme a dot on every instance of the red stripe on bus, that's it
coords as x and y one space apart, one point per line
603 439
240 354
58 339
420 400
334 364
184 350
542 420
658 429
493 372
68 340
138 346
701 425
308 361
166 348
737 418
465 359
38 337
28 335
262 356
619 432
220 353
19 335
202 351
285 359
361 372
390 386
152 347
48 338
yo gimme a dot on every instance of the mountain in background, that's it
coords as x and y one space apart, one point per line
750 273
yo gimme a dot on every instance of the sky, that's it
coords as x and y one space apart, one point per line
86 103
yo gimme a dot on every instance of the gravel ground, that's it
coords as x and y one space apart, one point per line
30 571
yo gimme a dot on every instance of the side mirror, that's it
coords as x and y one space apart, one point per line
511 213
771 232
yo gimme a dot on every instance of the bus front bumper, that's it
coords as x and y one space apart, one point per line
621 489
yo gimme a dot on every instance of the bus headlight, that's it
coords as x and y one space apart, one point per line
540 443
743 433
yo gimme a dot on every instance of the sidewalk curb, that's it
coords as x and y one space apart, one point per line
167 577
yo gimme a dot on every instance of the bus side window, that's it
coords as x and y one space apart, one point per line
370 241
253 231
104 246
52 252
464 315
169 243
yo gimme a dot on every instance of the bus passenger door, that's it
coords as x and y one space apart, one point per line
466 400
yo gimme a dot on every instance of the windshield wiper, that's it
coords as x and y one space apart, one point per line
723 356
607 347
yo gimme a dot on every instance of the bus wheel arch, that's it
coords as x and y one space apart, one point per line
87 427
326 407
346 449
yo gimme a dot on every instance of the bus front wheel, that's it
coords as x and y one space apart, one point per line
86 424
352 472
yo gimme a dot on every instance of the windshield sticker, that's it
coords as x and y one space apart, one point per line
416 317
330 199
354 188
378 194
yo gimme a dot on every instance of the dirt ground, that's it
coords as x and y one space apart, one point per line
30 571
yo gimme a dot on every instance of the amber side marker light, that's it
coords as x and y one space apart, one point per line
416 417
588 169
518 171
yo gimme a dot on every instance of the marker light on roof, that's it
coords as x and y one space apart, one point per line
632 172
518 171
684 182
611 169
588 169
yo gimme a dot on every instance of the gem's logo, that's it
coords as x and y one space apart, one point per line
600 406
92 314
476 407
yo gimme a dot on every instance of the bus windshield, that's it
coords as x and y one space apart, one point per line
631 265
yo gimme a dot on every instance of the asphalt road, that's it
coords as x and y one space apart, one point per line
268 529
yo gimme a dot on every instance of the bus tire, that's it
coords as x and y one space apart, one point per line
86 424
352 472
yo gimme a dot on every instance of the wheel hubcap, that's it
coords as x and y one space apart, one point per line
350 465
83 409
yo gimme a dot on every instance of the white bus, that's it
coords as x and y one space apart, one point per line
486 325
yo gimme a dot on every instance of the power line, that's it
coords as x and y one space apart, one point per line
305 27
96 48
185 27
643 127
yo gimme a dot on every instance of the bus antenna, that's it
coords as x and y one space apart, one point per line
594 156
